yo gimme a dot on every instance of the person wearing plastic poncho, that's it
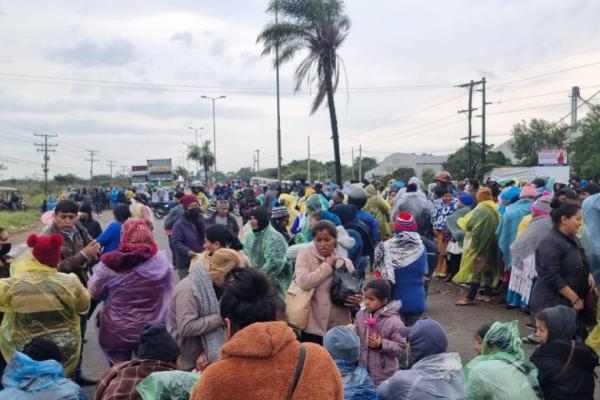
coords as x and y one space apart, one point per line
289 201
40 301
434 373
380 210
267 248
480 247
591 244
167 385
301 227
413 200
502 371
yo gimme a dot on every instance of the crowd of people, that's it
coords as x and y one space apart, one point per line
319 293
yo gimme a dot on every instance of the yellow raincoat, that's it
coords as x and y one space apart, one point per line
204 202
37 300
380 210
480 246
290 202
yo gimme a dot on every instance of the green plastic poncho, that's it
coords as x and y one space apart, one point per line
379 209
167 385
314 203
40 301
267 250
480 246
502 371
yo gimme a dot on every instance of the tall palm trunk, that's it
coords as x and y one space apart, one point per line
333 118
205 171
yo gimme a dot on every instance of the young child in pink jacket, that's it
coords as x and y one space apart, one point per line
381 331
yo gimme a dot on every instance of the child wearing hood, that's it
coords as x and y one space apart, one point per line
344 346
565 366
381 331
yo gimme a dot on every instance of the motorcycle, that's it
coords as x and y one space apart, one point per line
160 210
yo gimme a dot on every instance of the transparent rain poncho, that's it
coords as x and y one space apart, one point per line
379 209
502 371
27 379
167 385
591 233
40 301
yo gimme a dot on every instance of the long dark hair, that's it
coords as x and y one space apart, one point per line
222 234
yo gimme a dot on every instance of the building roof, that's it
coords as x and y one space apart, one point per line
418 162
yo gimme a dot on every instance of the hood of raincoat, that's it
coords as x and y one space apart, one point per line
561 322
357 383
262 216
167 385
427 338
346 212
371 191
32 376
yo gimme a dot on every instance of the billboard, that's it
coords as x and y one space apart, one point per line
553 157
160 169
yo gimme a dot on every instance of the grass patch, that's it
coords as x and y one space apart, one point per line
16 221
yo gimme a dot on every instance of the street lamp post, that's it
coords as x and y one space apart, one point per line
196 133
214 132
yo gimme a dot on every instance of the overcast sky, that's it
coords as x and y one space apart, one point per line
67 69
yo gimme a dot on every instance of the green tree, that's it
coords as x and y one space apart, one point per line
202 154
319 26
528 138
428 176
585 149
457 162
245 174
68 179
181 171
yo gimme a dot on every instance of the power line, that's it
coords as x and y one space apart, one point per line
92 160
544 75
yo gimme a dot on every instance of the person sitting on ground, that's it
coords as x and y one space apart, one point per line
434 374
502 371
54 301
479 335
402 260
135 284
566 366
167 385
157 351
36 373
267 248
381 331
344 346
111 237
262 356
223 217
194 317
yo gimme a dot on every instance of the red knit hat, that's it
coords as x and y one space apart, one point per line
46 249
405 222
187 200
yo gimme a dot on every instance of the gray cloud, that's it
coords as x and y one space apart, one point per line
89 52
186 38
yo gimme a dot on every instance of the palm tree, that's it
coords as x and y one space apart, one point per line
319 26
203 155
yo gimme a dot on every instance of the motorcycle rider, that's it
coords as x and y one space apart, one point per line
198 189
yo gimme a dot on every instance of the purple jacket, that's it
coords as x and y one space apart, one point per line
132 299
185 237
382 363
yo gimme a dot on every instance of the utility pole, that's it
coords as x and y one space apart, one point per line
257 162
469 112
278 108
92 160
214 132
575 95
123 170
45 148
360 163
483 104
308 161
110 164
353 176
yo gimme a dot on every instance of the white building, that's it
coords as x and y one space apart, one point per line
504 148
418 162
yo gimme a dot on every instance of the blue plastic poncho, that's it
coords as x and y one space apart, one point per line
27 379
357 383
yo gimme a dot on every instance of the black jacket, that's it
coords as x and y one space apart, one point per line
560 261
577 381
92 227
232 223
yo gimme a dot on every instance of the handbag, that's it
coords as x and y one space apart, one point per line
297 305
343 284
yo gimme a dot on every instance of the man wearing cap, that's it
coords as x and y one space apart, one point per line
188 234
158 351
223 217
280 218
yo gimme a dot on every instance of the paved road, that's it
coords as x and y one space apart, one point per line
460 323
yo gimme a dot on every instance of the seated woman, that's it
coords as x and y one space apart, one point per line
194 309
402 260
314 270
262 356
54 302
502 371
561 379
135 283
434 374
